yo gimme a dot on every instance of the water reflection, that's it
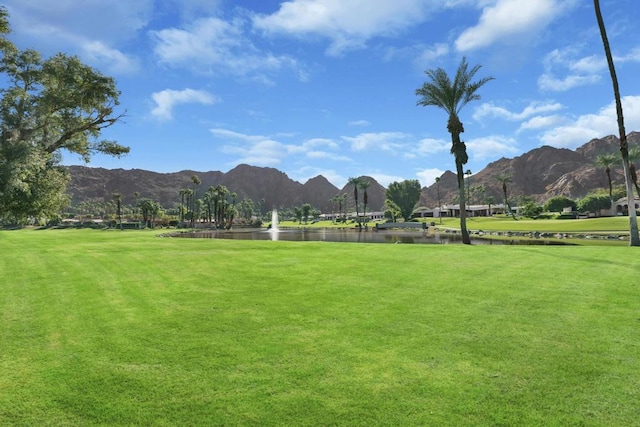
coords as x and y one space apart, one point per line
346 235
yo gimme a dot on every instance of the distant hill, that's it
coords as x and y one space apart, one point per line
542 173
268 186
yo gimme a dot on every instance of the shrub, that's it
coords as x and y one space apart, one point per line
594 203
558 203
531 210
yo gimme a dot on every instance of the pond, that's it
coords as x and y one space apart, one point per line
351 235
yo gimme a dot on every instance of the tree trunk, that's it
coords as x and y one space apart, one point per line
634 238
463 206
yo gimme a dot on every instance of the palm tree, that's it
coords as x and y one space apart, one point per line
343 206
450 96
356 183
183 193
605 161
490 201
364 184
468 173
118 199
634 155
439 204
504 179
336 202
196 181
136 195
634 238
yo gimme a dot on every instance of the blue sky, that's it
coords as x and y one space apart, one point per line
328 86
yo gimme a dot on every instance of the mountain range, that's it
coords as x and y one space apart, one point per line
541 173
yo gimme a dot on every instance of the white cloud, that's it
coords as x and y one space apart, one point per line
632 56
505 19
589 126
65 20
348 24
79 28
428 146
328 156
428 177
420 54
579 71
114 60
491 147
362 123
320 142
167 99
540 122
268 151
214 46
428 54
550 82
491 110
385 141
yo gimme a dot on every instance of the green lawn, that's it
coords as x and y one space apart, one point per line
125 328
498 223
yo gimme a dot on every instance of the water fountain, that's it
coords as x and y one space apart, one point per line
274 220
274 229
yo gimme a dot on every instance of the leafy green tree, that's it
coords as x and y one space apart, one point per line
451 96
46 106
634 237
405 195
594 203
558 204
297 211
306 211
531 209
391 210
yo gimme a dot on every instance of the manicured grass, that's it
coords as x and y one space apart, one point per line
618 224
124 328
604 224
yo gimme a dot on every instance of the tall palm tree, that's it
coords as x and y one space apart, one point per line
336 202
439 204
634 156
468 173
504 179
634 238
118 199
364 184
605 161
196 181
343 205
451 96
356 183
183 194
136 195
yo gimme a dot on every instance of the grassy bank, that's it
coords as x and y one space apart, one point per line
109 327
